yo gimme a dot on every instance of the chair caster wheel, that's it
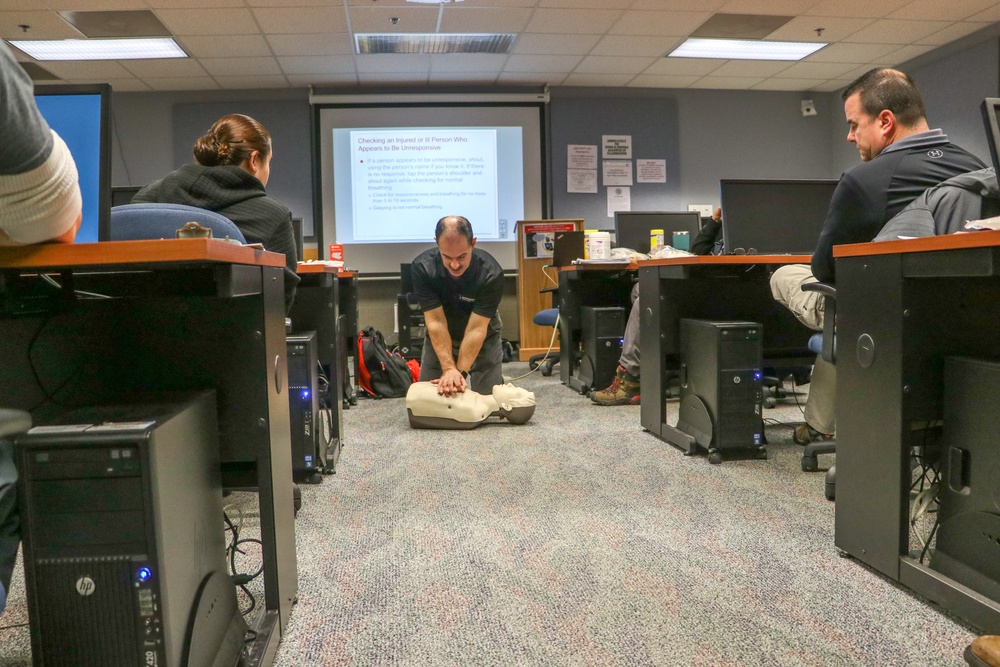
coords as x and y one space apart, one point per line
715 458
761 454
809 464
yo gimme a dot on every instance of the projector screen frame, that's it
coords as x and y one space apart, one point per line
505 251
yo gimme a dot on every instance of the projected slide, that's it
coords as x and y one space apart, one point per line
403 177
402 180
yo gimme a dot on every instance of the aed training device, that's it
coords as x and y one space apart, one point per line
303 407
124 545
720 396
601 330
967 547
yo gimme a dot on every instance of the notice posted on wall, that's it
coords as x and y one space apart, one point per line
619 199
581 156
616 146
650 171
617 172
581 180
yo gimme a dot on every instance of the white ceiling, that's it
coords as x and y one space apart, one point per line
295 43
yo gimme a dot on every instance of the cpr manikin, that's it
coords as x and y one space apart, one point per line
428 409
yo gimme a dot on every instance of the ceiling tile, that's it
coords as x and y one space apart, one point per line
952 32
327 79
532 78
183 83
392 62
661 81
788 84
602 80
585 4
572 21
684 66
371 78
127 85
468 19
222 46
478 78
811 70
194 4
251 82
906 53
209 21
44 25
171 67
803 28
301 19
378 19
855 8
93 5
628 45
93 70
991 15
709 6
613 65
318 44
23 5
520 63
292 3
316 64
751 68
939 10
771 7
467 62
849 53
726 82
832 85
220 67
659 23
543 44
896 31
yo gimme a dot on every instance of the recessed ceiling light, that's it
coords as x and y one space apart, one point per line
433 43
738 49
101 49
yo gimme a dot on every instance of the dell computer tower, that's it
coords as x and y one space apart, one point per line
601 331
409 316
968 535
720 395
303 406
124 543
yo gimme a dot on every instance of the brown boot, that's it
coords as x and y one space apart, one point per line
624 390
804 434
984 651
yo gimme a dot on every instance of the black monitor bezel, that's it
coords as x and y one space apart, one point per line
990 108
727 218
104 178
688 221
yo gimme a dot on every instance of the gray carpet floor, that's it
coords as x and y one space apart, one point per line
577 539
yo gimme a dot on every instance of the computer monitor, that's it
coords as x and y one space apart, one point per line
989 108
299 239
632 228
123 194
81 115
774 217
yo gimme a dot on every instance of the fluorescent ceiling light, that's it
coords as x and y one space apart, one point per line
433 43
738 49
101 49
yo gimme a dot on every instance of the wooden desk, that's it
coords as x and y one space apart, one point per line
902 307
178 315
600 285
724 287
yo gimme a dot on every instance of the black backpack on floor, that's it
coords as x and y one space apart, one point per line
381 374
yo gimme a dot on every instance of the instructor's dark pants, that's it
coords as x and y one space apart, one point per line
486 371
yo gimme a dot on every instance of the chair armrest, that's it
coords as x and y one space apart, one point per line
829 293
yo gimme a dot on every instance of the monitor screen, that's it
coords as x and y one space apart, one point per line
774 217
81 115
632 228
123 194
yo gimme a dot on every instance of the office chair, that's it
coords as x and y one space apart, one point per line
824 344
546 318
133 222
12 422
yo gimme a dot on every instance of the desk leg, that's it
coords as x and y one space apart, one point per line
653 322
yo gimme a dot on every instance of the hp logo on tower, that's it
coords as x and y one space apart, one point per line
85 586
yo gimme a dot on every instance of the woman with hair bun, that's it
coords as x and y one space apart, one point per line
231 168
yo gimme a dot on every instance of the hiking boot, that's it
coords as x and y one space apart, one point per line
804 434
624 390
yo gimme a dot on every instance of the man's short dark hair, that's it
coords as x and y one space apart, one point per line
882 88
456 224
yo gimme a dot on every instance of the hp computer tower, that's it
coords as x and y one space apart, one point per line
303 406
601 331
124 545
412 329
967 548
720 395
